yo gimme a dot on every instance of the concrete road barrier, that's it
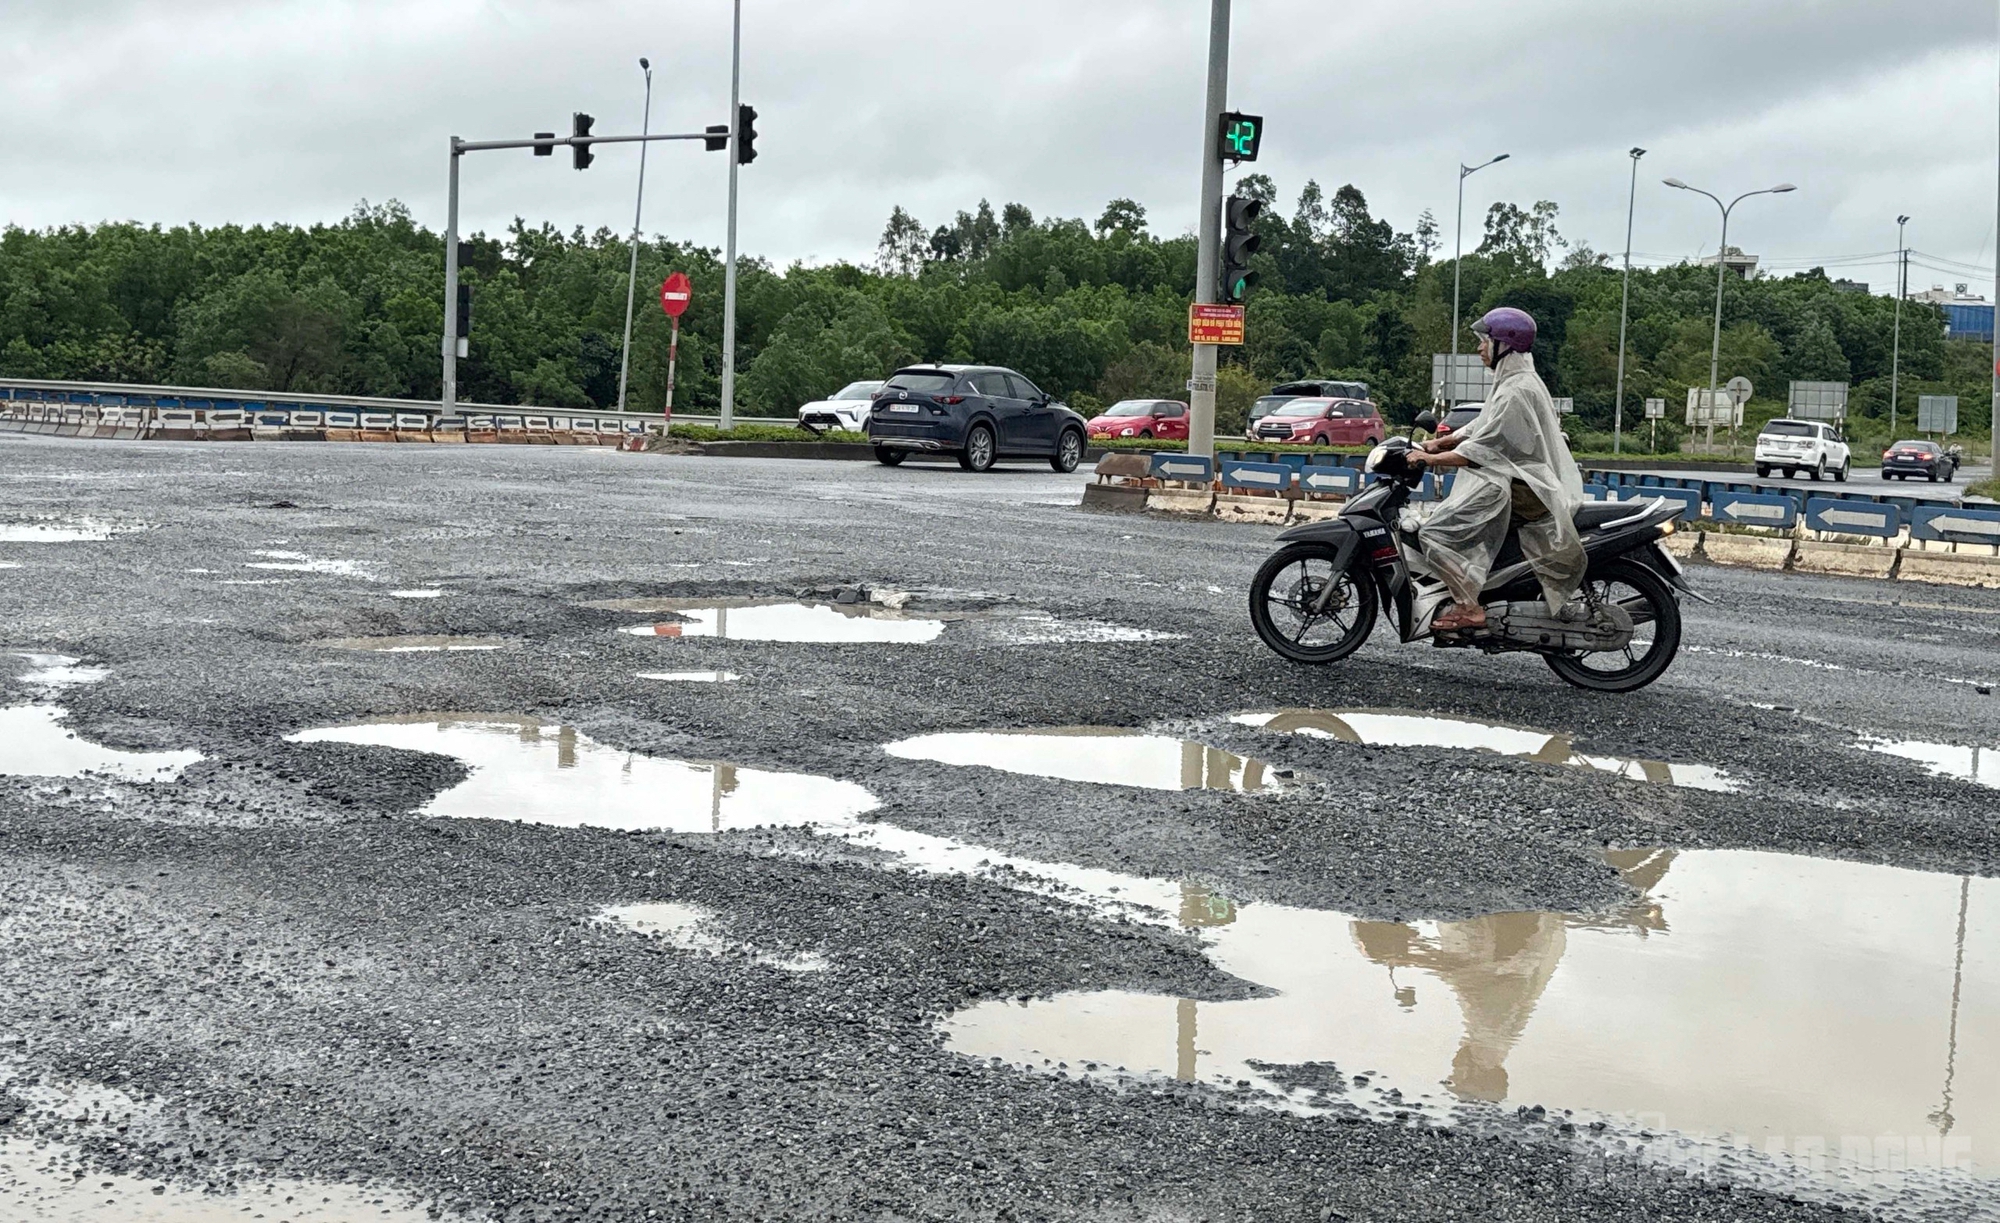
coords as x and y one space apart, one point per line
1845 560
1684 544
1242 507
1175 500
1950 569
1748 551
1316 511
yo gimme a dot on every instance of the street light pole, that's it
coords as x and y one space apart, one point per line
1457 256
1896 352
638 209
1624 307
728 420
448 397
1208 250
1721 268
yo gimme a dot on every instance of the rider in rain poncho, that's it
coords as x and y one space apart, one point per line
1514 468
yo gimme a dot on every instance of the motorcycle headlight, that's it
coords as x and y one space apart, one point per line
1375 458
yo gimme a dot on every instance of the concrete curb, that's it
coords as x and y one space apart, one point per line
1181 500
1238 507
1747 551
1845 560
1951 569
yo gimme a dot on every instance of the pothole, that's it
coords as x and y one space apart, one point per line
58 671
1398 728
441 644
526 771
693 928
1102 756
426 593
300 562
1827 1015
690 677
35 743
1980 765
54 530
820 623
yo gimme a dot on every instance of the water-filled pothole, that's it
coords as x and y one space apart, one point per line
1399 728
825 623
60 530
300 562
34 742
693 928
1104 756
1803 1006
440 644
690 677
1974 764
526 771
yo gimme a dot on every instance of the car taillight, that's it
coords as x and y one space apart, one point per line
1887 453
951 399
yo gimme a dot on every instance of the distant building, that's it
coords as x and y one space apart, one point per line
1733 258
1850 286
1958 295
1966 315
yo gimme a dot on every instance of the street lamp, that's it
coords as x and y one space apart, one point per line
1902 291
1624 305
632 274
1457 255
1721 267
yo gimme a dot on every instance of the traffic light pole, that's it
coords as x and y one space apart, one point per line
728 420
1208 263
448 399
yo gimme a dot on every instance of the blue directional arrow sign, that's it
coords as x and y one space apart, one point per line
1330 481
1847 516
1755 510
1955 525
1263 477
1192 468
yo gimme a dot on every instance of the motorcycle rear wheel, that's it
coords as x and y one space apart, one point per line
1290 583
1656 616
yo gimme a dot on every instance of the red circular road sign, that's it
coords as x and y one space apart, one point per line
675 294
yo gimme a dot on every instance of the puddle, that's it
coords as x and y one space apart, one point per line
59 671
59 531
300 562
417 645
1394 728
1040 628
1826 1015
416 594
49 1183
1109 756
35 743
526 771
692 928
1974 764
691 677
827 623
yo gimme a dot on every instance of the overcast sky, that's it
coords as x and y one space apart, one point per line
294 110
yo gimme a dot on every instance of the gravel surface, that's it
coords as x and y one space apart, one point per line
299 977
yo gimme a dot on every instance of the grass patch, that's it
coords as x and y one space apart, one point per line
749 432
1985 488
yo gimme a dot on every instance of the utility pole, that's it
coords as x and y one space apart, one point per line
1896 353
1624 309
728 421
638 210
1208 260
448 399
1457 258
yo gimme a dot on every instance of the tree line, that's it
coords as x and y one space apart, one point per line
1094 311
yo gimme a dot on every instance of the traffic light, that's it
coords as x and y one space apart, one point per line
545 144
1239 242
1242 136
580 128
746 135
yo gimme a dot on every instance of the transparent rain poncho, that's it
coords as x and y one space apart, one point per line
1516 438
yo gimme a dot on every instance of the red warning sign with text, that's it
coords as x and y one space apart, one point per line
1215 324
675 294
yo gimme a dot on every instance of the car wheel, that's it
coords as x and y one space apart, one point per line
1146 433
1951 475
1819 470
890 458
1373 441
1931 475
978 452
1841 475
1763 472
1069 452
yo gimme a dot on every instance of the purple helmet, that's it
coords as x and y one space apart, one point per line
1510 330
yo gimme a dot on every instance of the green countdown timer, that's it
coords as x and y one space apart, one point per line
1242 135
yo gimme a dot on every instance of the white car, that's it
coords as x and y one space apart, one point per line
847 409
1793 446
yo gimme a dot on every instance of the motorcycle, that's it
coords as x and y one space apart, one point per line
1316 600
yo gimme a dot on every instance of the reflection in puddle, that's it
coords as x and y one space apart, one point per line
416 594
1805 1006
59 671
1975 764
1109 756
833 623
1041 628
525 771
58 531
1388 728
299 562
691 677
35 743
417 645
692 928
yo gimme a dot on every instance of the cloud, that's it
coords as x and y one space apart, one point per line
222 110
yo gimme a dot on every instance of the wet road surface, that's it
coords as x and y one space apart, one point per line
558 834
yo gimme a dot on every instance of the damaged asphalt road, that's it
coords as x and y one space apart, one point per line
279 967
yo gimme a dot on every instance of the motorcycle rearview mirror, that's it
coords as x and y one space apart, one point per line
1427 421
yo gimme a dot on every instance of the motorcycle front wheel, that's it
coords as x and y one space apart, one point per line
1656 631
1285 604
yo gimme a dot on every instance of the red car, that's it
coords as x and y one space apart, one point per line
1324 422
1150 418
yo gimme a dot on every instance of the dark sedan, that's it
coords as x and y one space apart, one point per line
1927 459
979 414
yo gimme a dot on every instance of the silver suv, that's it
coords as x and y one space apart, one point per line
1811 446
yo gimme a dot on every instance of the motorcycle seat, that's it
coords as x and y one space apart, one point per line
1593 514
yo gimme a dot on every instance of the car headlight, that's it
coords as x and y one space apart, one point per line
1126 433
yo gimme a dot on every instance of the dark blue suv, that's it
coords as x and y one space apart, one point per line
979 413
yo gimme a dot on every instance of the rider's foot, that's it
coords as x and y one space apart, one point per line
1461 619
